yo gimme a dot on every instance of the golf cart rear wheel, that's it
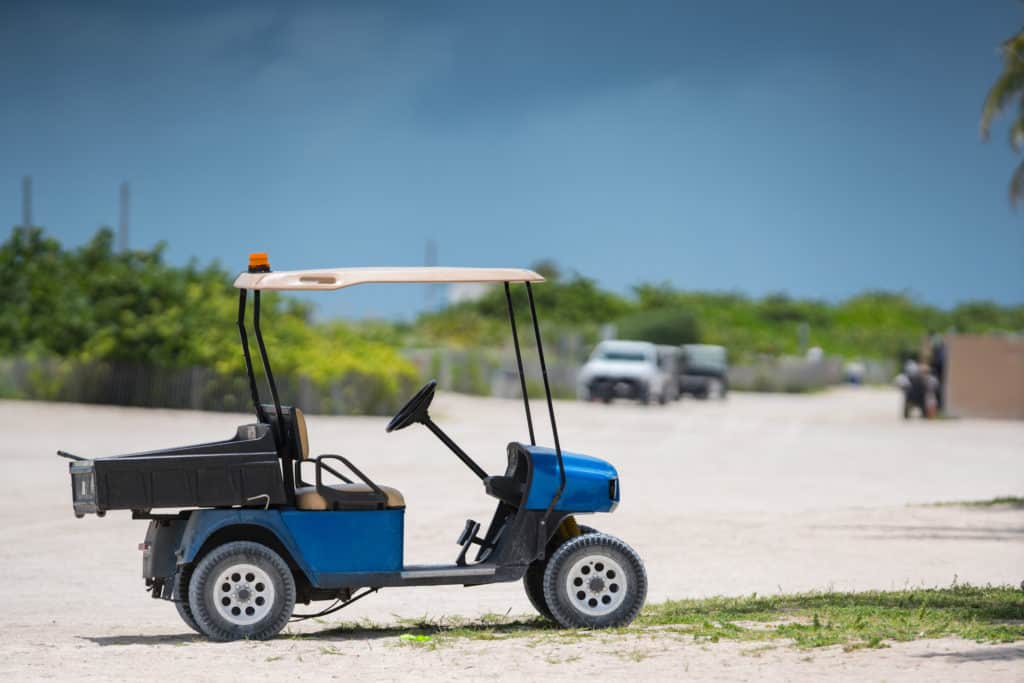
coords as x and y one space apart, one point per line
241 590
595 581
533 580
180 597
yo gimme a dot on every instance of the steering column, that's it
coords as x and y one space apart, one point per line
415 411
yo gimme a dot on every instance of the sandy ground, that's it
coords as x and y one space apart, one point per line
758 493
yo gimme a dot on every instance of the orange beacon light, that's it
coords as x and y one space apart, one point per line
258 262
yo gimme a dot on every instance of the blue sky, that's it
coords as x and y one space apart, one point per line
817 148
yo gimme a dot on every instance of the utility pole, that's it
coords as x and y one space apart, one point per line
122 223
26 201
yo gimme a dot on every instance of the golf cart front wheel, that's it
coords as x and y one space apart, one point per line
241 590
533 580
595 581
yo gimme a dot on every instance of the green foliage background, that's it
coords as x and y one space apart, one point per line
879 325
92 304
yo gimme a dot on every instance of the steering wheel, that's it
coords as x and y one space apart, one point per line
415 410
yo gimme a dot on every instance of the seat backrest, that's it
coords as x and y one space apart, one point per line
296 445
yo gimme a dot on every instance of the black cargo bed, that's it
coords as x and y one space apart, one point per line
240 471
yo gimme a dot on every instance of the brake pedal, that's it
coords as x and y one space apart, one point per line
467 538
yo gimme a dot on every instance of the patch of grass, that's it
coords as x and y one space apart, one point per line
990 614
999 501
853 620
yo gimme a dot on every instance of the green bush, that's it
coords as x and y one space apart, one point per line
672 326
95 306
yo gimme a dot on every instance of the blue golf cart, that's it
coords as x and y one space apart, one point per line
243 529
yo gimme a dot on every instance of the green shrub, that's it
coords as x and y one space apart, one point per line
671 326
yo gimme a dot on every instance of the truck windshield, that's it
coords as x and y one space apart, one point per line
632 356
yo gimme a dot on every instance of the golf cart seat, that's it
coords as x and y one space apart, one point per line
344 496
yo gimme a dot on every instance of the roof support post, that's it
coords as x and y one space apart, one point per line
551 407
279 432
253 390
519 364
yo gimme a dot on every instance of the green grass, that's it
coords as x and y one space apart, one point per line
853 620
999 501
808 620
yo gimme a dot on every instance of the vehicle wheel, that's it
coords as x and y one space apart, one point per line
241 590
533 580
595 581
714 389
180 597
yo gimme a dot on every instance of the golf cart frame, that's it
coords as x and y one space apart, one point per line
337 538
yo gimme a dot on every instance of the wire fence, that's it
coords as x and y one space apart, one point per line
481 372
192 388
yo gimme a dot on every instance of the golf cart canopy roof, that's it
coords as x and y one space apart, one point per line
336 278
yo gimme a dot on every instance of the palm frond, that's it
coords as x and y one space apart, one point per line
1017 132
1017 184
1008 86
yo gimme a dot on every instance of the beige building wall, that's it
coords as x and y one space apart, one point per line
985 376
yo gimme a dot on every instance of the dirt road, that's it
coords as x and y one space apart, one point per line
758 493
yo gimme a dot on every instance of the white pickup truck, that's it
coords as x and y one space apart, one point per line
628 369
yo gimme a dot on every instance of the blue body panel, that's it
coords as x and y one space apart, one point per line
320 542
348 541
587 482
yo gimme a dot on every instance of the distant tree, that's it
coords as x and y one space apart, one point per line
671 326
1008 91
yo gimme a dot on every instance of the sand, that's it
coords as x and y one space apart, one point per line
759 493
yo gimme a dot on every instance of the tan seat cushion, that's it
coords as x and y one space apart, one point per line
308 498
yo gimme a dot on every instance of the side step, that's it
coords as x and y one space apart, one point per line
444 571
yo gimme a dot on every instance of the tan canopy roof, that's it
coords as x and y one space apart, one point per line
336 278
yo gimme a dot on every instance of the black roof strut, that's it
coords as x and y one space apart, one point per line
280 427
543 536
279 433
551 407
248 358
519 363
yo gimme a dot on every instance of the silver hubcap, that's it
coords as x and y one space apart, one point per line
596 585
243 594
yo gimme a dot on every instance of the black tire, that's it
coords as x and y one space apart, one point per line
180 598
533 580
608 581
533 583
260 593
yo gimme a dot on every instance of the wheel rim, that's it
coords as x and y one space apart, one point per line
243 594
596 585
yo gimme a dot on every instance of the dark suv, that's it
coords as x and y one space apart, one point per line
704 371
